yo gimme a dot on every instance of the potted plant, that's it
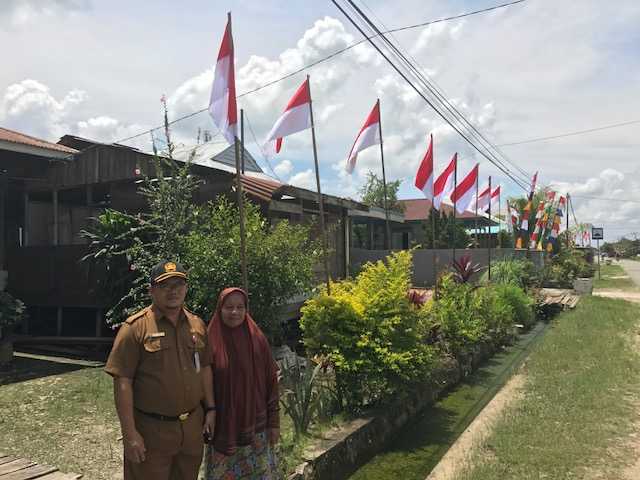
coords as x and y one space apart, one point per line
12 311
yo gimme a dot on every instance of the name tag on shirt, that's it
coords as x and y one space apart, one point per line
157 335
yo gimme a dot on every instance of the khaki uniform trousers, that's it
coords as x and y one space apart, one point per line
174 449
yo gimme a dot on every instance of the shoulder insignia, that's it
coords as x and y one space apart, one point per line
137 315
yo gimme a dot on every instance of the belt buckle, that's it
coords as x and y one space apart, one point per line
183 416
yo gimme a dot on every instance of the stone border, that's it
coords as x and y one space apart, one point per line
342 450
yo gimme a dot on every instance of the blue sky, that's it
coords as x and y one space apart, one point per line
535 69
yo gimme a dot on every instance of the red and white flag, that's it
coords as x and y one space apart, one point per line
465 190
222 104
424 176
495 201
484 197
296 117
444 184
369 135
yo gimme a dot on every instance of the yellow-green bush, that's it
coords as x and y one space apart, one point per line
371 333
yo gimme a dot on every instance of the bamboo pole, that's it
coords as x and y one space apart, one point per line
240 199
453 229
320 202
489 233
384 185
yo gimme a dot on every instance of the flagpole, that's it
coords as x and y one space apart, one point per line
384 184
499 222
455 186
320 202
475 232
489 230
433 246
242 139
568 200
240 199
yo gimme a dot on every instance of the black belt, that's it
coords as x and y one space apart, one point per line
166 418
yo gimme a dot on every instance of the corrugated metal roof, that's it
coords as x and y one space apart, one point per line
260 187
23 139
211 154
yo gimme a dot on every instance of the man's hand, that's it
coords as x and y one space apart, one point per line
273 435
209 424
134 449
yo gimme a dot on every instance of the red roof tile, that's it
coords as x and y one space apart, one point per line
419 208
22 139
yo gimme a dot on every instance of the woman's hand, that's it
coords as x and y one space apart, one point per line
273 435
209 424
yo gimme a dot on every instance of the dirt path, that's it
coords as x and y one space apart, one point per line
632 471
456 457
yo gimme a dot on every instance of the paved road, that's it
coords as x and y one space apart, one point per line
633 269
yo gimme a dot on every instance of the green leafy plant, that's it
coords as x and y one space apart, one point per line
12 312
510 271
371 333
305 396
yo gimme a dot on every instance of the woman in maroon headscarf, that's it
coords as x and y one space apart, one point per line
246 393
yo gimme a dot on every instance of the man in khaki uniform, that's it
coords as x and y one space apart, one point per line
163 383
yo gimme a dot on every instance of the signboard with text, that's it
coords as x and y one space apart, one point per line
597 233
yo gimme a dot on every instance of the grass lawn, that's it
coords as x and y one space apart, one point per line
67 418
577 411
607 282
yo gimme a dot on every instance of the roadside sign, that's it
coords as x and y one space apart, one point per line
597 233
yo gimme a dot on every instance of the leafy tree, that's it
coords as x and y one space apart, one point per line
444 228
206 239
373 193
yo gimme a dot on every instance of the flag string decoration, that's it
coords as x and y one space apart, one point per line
557 220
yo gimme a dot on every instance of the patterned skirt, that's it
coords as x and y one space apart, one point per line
251 462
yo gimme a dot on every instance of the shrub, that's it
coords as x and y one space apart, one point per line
454 318
521 303
512 271
12 311
565 267
370 332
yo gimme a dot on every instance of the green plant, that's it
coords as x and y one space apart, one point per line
206 239
305 396
12 312
518 300
370 332
373 193
511 271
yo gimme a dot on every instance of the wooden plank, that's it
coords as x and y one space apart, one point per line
14 466
6 459
36 471
60 476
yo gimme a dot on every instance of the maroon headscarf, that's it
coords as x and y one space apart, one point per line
244 379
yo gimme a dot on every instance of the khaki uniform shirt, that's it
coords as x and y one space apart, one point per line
162 360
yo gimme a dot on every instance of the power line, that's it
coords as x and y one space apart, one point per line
329 57
395 51
570 134
264 156
617 200
441 97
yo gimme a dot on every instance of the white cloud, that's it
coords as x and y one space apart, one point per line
20 13
305 179
29 106
284 168
617 203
